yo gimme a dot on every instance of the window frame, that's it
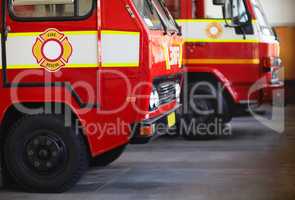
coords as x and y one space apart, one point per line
179 11
166 18
248 26
162 28
257 5
246 13
222 18
48 19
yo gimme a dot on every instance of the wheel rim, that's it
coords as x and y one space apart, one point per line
201 105
45 153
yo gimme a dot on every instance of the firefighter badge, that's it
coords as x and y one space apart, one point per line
52 50
214 30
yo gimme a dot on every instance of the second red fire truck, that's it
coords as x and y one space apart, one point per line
230 45
78 77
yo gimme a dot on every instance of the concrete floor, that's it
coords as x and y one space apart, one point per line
255 163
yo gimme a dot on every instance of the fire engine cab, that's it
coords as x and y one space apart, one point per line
230 45
78 77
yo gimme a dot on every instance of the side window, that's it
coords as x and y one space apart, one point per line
148 13
212 11
50 8
237 11
240 11
174 8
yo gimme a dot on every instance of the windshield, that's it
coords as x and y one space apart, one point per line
236 10
149 14
166 16
265 27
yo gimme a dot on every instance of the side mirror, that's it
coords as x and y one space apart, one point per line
219 2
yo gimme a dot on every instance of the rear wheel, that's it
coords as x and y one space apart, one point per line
108 157
42 155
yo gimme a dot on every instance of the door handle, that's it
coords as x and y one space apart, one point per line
130 11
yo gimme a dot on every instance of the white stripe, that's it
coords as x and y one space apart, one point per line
120 48
85 49
197 30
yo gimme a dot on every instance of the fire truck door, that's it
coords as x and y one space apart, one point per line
57 39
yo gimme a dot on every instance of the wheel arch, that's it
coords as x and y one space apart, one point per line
13 114
215 76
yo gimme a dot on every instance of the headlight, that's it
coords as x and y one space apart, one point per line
177 92
274 76
154 99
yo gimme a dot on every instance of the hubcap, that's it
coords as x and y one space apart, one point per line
44 153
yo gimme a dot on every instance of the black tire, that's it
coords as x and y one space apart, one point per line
42 155
108 157
188 125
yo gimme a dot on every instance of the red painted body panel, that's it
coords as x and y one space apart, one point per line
238 78
110 89
217 50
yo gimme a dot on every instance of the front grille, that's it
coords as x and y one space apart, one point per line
166 92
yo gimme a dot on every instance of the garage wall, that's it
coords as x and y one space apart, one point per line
281 14
287 40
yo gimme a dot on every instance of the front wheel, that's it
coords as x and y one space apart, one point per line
203 120
42 155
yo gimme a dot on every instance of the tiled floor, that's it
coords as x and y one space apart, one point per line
255 163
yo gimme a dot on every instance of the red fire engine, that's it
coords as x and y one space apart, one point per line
228 43
111 65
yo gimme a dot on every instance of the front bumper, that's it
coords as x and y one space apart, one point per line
146 130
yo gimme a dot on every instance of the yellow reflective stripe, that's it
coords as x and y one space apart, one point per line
24 34
111 32
181 56
221 40
34 66
221 61
200 20
66 33
23 67
206 20
80 32
120 65
166 55
81 65
76 33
